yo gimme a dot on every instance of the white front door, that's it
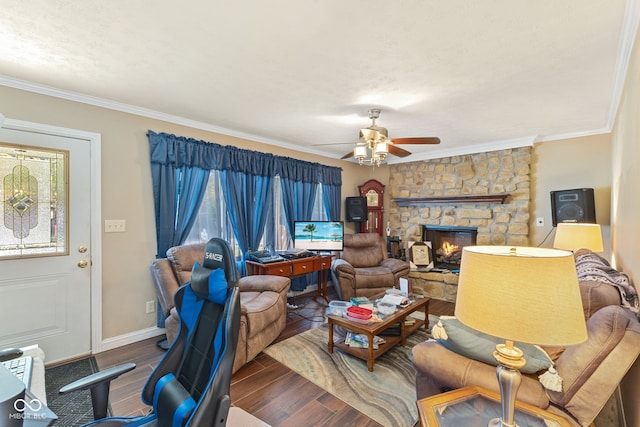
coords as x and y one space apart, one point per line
45 283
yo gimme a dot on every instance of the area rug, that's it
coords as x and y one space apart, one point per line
72 409
387 395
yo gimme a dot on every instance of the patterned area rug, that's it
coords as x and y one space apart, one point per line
387 394
72 409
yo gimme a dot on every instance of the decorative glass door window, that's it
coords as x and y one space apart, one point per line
34 201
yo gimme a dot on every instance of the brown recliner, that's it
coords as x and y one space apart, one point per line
364 268
263 301
591 371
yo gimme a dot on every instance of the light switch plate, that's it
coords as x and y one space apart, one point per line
115 226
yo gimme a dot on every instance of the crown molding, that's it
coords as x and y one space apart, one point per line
472 149
144 112
630 24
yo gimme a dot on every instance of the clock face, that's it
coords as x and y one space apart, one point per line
372 198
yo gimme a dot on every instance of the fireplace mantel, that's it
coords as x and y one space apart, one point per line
444 200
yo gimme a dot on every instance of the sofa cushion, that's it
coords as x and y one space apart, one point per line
183 258
261 310
595 269
363 250
439 369
479 346
596 295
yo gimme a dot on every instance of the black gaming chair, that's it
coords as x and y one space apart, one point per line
190 386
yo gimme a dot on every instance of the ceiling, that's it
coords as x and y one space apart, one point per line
480 75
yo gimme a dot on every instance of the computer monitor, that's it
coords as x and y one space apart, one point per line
319 235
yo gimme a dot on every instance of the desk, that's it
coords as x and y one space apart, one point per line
475 406
296 267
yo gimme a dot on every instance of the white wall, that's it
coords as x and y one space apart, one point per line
625 208
567 164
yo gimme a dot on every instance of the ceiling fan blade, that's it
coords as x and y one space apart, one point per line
397 151
347 156
417 140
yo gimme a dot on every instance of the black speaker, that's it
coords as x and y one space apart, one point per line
576 205
356 209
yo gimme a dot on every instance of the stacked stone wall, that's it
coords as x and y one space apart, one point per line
497 172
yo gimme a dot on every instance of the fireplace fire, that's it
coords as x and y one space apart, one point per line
447 243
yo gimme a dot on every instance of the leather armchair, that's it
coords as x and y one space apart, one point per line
364 268
263 301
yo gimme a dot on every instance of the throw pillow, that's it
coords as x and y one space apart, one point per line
479 346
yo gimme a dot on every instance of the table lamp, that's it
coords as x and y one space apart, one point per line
572 236
520 294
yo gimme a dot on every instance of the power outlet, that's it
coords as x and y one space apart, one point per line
115 226
151 307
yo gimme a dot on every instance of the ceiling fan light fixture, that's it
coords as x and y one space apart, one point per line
381 149
374 134
374 144
360 152
377 159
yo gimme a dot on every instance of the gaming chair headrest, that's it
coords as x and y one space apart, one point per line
216 275
209 284
217 254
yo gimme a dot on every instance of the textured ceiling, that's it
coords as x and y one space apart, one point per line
480 75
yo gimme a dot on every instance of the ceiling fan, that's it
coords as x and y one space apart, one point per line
374 143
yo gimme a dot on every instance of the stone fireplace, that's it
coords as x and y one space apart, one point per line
447 243
487 191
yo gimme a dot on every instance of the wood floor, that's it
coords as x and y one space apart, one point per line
263 387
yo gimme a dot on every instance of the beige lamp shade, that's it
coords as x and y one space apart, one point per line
522 294
572 236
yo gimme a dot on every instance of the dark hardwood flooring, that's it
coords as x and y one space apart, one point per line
263 387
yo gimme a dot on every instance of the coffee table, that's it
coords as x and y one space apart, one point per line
372 329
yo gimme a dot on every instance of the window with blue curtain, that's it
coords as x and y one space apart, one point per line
204 190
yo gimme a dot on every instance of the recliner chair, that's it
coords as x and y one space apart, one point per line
364 267
190 386
263 301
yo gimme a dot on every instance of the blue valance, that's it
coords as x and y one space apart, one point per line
178 151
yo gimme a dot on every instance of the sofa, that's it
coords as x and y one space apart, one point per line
263 301
364 267
590 371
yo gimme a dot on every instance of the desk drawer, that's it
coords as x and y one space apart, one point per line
278 269
323 263
302 266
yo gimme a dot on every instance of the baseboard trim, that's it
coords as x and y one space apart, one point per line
131 337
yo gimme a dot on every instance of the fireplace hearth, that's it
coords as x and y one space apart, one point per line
447 243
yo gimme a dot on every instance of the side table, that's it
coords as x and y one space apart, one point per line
476 406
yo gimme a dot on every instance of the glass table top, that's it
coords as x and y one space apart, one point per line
476 409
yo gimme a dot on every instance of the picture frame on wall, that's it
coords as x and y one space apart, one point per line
419 254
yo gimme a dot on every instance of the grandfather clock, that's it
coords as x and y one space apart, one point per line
373 190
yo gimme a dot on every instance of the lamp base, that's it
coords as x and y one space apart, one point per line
509 381
497 422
